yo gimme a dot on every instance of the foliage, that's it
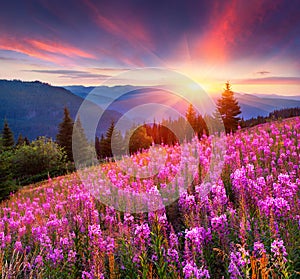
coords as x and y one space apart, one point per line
7 136
139 140
7 183
37 161
64 136
81 145
103 146
276 114
21 140
229 109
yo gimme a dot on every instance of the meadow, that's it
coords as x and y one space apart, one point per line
246 226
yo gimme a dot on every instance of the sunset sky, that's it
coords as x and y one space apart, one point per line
253 44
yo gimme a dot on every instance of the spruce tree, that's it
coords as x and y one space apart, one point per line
80 144
107 143
64 136
101 151
229 109
7 136
117 144
20 140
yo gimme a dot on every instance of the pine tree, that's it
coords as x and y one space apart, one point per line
27 141
229 109
21 140
105 143
7 136
80 144
102 148
64 136
117 144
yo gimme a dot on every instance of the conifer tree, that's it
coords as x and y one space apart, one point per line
108 139
229 109
117 144
7 136
80 144
20 140
64 136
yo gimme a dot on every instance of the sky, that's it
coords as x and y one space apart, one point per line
253 44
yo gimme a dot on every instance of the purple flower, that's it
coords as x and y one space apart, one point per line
142 234
71 256
39 260
18 246
219 223
235 265
173 255
173 240
259 248
278 249
56 256
190 270
198 236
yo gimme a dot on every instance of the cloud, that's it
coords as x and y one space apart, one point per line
263 72
9 59
71 74
269 80
45 50
111 69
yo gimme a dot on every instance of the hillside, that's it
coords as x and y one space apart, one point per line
245 222
34 108
257 105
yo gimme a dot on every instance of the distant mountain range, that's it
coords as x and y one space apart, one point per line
262 105
251 105
36 108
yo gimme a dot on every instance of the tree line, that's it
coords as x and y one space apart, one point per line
274 115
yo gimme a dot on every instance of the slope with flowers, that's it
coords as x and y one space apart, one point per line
247 226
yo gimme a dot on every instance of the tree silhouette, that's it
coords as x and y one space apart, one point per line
64 136
7 136
21 140
229 109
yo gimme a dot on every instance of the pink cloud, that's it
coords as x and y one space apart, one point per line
230 25
46 50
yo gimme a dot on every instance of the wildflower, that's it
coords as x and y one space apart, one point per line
235 265
142 234
259 248
173 255
198 236
278 249
219 223
71 256
39 261
18 246
190 270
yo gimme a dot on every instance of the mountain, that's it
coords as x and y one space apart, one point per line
275 96
251 105
36 109
80 90
257 105
137 104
